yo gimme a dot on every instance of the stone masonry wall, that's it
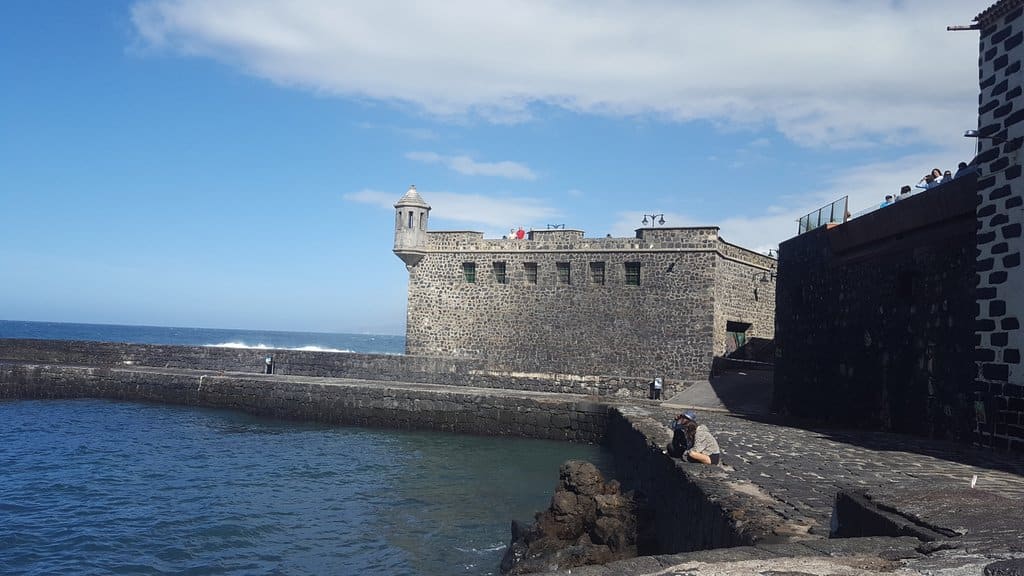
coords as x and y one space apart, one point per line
999 383
385 367
875 318
663 327
741 296
382 404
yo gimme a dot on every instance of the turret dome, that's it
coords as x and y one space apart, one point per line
412 198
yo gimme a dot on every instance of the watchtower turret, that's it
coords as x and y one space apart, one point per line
411 214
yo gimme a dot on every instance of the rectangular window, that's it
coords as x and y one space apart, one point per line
564 273
469 272
410 219
499 273
632 273
531 272
597 272
423 221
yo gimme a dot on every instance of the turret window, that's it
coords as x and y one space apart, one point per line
469 272
410 219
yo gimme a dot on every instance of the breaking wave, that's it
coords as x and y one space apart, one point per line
309 348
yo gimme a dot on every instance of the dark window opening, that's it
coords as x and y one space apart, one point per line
633 273
469 272
531 272
564 273
499 272
597 272
410 219
735 335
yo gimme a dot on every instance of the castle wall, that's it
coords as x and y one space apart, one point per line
999 383
741 295
662 327
875 317
665 326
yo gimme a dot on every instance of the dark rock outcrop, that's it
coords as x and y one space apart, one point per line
589 522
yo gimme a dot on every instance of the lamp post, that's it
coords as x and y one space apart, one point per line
976 134
656 219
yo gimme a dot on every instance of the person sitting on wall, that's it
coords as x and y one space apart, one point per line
904 192
693 441
679 444
930 180
964 169
946 177
888 200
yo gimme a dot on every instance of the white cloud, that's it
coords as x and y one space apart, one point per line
410 133
468 166
373 197
829 72
493 216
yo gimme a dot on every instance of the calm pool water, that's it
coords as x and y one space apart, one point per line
97 487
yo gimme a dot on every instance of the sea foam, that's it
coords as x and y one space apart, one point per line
310 348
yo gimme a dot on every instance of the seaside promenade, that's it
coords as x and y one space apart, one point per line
914 485
917 506
943 507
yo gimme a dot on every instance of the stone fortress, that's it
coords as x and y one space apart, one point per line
663 303
906 319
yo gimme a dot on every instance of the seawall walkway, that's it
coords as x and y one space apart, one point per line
907 504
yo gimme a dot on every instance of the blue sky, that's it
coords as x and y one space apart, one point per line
232 163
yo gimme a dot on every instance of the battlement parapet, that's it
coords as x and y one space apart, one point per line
693 239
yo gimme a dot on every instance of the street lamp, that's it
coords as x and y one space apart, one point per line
980 136
656 219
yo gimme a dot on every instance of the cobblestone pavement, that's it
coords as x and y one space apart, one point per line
804 468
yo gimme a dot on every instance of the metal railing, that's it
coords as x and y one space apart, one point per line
834 213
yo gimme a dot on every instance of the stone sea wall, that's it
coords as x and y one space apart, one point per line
382 367
692 510
356 403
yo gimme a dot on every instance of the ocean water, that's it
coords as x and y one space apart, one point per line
100 487
261 339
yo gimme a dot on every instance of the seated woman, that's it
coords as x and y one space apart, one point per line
693 441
